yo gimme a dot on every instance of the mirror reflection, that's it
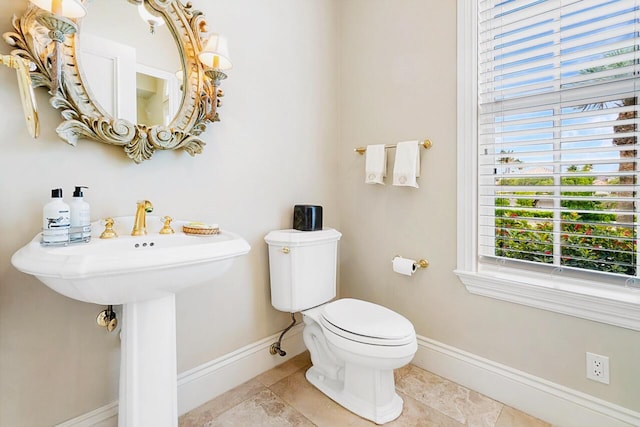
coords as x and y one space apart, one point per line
120 66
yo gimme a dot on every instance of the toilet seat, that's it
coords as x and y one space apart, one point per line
366 323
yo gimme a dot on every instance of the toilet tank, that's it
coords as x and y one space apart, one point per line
302 267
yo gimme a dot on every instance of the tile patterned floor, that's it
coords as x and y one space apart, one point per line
283 397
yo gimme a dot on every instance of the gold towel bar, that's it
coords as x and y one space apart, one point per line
426 144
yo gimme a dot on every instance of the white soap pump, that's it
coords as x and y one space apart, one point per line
55 219
80 216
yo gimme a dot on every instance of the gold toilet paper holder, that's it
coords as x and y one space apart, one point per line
421 263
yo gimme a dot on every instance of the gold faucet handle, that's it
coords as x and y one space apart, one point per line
108 232
166 228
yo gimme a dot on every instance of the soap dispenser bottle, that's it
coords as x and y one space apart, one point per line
55 219
80 217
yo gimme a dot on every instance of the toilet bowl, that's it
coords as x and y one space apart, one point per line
354 345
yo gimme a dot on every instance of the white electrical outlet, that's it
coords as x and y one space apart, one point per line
598 368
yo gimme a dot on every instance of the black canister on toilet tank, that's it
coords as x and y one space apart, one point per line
307 217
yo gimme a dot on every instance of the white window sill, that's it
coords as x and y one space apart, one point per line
614 305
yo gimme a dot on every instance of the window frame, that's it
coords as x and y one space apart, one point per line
584 296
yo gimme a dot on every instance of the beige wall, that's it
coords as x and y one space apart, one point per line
275 147
289 124
398 83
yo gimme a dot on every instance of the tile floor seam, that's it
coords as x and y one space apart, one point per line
406 396
232 407
296 410
433 408
287 403
500 414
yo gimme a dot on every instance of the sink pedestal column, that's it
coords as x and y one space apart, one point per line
148 370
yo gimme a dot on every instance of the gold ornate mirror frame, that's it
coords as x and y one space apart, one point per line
83 116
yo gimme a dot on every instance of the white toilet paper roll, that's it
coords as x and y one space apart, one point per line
404 266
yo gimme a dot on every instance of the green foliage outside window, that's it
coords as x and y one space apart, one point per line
589 239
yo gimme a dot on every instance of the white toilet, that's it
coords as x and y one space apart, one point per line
355 345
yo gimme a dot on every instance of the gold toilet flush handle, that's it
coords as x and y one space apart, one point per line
285 250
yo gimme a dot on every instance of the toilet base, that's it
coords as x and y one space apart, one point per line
335 389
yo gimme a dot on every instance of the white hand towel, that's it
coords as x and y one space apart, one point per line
375 164
407 165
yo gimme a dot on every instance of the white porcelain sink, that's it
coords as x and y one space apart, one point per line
127 268
142 273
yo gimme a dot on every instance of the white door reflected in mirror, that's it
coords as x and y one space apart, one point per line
158 95
109 70
123 73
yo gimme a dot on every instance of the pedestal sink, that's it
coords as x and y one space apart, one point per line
143 274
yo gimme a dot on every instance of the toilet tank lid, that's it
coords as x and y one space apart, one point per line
298 238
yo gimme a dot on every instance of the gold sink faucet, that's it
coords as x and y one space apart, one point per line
140 223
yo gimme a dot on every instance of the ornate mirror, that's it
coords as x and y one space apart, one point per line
189 90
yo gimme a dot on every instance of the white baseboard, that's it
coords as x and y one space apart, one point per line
548 401
551 402
204 382
106 416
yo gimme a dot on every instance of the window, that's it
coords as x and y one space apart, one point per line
547 114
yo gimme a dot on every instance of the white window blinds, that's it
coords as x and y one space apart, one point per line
558 92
